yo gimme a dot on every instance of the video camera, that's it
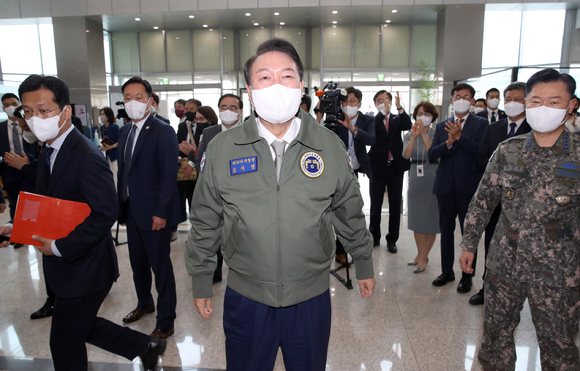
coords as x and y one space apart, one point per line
121 113
331 98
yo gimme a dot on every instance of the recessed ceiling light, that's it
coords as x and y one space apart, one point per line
388 21
191 16
256 24
276 13
394 10
282 23
248 14
204 25
177 38
155 28
334 22
211 29
335 12
137 19
87 30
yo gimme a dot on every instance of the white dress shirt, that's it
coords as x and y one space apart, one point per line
290 135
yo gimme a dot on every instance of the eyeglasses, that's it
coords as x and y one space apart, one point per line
465 97
231 108
42 113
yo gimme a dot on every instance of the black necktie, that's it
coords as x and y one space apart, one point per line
16 139
127 162
493 117
512 130
47 172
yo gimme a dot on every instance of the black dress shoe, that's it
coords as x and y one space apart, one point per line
18 245
391 247
137 313
376 240
443 279
150 358
45 311
477 299
464 285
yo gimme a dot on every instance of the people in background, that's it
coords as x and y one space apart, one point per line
110 136
155 108
492 113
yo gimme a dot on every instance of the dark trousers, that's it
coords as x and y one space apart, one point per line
75 322
255 331
393 182
149 250
451 206
489 230
185 190
12 200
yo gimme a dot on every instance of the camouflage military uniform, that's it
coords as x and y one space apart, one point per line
535 251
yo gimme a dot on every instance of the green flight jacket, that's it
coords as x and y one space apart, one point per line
276 238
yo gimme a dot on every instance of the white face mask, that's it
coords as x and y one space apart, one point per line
461 106
381 108
350 110
478 110
472 109
10 111
135 110
102 119
277 103
228 117
493 103
152 109
513 109
45 129
426 120
29 136
545 119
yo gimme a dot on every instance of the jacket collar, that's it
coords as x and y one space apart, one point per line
64 156
564 143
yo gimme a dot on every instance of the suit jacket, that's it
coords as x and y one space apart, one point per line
89 261
496 133
458 164
501 115
208 134
11 177
366 136
182 135
391 141
113 135
152 177
164 119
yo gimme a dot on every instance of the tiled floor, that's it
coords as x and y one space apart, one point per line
407 325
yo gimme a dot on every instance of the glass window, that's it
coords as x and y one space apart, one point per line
337 47
152 51
228 50
501 38
423 45
206 50
24 35
367 46
315 53
125 52
206 78
297 36
46 35
107 51
179 51
542 34
396 46
249 40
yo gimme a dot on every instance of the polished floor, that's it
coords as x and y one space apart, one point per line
407 325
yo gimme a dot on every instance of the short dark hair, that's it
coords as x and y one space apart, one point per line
307 101
382 92
551 75
138 80
461 87
492 90
180 101
240 102
54 84
8 96
515 86
274 45
155 98
357 93
427 107
110 114
209 114
197 102
482 100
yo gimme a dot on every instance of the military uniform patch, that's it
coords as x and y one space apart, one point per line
567 173
566 165
244 165
514 169
563 200
202 163
509 193
312 164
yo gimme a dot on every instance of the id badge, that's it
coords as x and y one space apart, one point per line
420 171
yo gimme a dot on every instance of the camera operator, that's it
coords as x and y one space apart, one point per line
357 131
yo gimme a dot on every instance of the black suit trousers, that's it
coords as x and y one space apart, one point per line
75 322
185 190
392 180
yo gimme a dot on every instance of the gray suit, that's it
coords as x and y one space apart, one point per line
208 134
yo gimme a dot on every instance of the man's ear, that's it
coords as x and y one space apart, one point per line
249 90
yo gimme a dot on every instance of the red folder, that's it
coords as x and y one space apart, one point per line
47 217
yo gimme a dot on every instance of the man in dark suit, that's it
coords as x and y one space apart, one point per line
455 144
155 108
148 204
230 111
515 124
388 166
492 113
81 267
11 141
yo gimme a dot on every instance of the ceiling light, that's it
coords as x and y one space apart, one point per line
248 14
276 13
334 22
394 10
191 16
155 28
388 21
256 24
282 23
137 19
177 38
335 12
211 29
87 30
204 25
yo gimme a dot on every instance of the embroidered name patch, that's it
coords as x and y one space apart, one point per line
244 165
570 166
312 164
514 169
567 173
